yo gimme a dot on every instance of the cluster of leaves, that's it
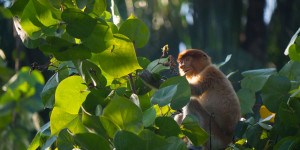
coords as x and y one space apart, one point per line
96 96
277 92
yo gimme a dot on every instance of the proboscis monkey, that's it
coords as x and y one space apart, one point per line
213 99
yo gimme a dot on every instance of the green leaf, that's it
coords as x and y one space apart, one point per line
153 141
275 91
253 133
79 24
175 143
149 117
167 126
247 100
90 73
75 52
60 120
35 143
93 123
288 115
193 131
156 66
125 114
288 143
65 140
96 7
120 60
294 52
49 142
164 95
125 140
291 70
113 27
100 39
136 30
70 94
144 102
268 71
226 61
255 79
183 92
91 141
17 8
144 62
37 15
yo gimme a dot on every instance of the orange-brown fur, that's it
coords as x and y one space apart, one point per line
212 94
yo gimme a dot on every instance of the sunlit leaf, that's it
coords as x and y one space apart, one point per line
125 114
60 120
136 30
96 7
70 94
120 60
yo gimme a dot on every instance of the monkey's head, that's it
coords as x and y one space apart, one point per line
192 62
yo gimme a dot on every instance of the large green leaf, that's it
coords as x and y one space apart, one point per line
38 16
65 140
75 52
65 50
193 131
164 95
70 94
60 120
183 92
125 114
96 7
79 24
91 141
120 60
125 140
100 39
294 52
149 117
255 79
290 114
247 100
153 141
275 91
174 143
136 30
167 126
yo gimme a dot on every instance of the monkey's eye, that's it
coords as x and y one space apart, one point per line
204 55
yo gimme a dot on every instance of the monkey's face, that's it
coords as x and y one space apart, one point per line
186 66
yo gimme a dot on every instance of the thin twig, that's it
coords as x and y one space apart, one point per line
132 85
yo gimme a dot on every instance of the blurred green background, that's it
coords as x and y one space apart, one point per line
255 32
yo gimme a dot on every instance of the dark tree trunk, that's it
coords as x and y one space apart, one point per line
255 32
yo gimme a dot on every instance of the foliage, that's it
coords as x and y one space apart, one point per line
277 93
96 95
98 99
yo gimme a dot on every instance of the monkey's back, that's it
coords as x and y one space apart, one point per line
220 99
